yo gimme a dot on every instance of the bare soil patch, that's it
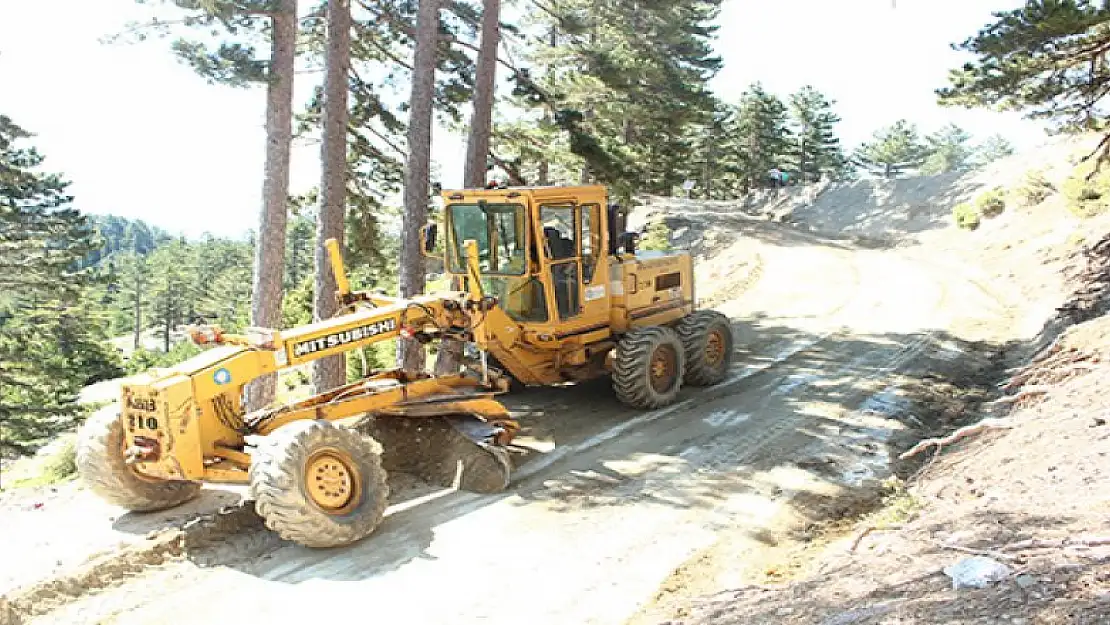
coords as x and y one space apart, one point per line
1031 496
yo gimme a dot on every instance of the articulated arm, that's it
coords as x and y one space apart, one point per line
367 326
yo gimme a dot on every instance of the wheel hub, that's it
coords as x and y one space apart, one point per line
714 348
332 481
663 366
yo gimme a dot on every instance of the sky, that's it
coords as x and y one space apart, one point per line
142 136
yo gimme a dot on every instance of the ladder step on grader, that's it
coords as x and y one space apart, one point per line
549 290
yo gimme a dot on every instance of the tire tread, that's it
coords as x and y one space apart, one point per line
283 504
100 463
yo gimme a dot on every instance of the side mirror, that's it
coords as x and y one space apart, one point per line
428 236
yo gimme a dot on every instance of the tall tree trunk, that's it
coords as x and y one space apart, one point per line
138 305
166 319
544 173
269 257
709 164
330 372
410 354
477 147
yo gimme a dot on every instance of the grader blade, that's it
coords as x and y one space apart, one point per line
456 451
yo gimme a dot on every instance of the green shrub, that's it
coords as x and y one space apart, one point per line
657 237
143 360
1034 189
1088 193
53 463
992 203
966 216
295 379
59 460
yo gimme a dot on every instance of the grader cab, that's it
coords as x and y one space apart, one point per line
548 289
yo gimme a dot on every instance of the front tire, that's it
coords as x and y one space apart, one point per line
707 338
100 463
318 484
649 367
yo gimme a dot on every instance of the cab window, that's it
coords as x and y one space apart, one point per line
561 244
499 231
591 240
559 234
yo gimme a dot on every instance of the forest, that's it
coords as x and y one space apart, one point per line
614 93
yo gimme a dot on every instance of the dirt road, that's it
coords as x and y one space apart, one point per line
608 502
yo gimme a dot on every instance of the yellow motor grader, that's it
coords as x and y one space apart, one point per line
550 290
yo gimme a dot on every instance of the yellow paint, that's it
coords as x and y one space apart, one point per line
191 416
335 259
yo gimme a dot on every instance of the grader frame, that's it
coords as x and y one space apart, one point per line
548 290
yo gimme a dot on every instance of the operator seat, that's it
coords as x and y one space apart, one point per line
563 276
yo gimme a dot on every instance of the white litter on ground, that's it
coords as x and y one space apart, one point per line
976 572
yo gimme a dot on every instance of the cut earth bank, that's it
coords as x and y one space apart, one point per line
850 350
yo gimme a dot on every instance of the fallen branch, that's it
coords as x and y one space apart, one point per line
1035 543
997 555
1054 372
1026 393
867 530
1053 365
964 432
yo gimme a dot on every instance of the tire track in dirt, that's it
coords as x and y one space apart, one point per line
636 499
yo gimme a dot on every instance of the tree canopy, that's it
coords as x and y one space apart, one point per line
50 342
892 150
1046 58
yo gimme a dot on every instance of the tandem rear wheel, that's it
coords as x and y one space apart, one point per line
652 364
649 366
708 344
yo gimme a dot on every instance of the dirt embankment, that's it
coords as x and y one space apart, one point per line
1025 493
849 351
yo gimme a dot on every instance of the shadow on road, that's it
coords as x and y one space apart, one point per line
803 418
211 498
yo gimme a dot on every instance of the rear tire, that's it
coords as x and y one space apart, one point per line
649 367
100 463
318 484
707 338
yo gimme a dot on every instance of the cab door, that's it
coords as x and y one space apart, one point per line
595 262
560 243
572 240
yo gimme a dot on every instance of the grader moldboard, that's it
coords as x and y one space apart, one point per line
551 291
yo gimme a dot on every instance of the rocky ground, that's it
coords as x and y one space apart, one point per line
767 499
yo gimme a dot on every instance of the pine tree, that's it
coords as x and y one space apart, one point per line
759 137
410 354
133 296
222 284
1047 58
173 289
949 149
892 150
995 147
266 279
624 82
710 165
328 373
300 242
50 342
477 146
238 25
815 149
